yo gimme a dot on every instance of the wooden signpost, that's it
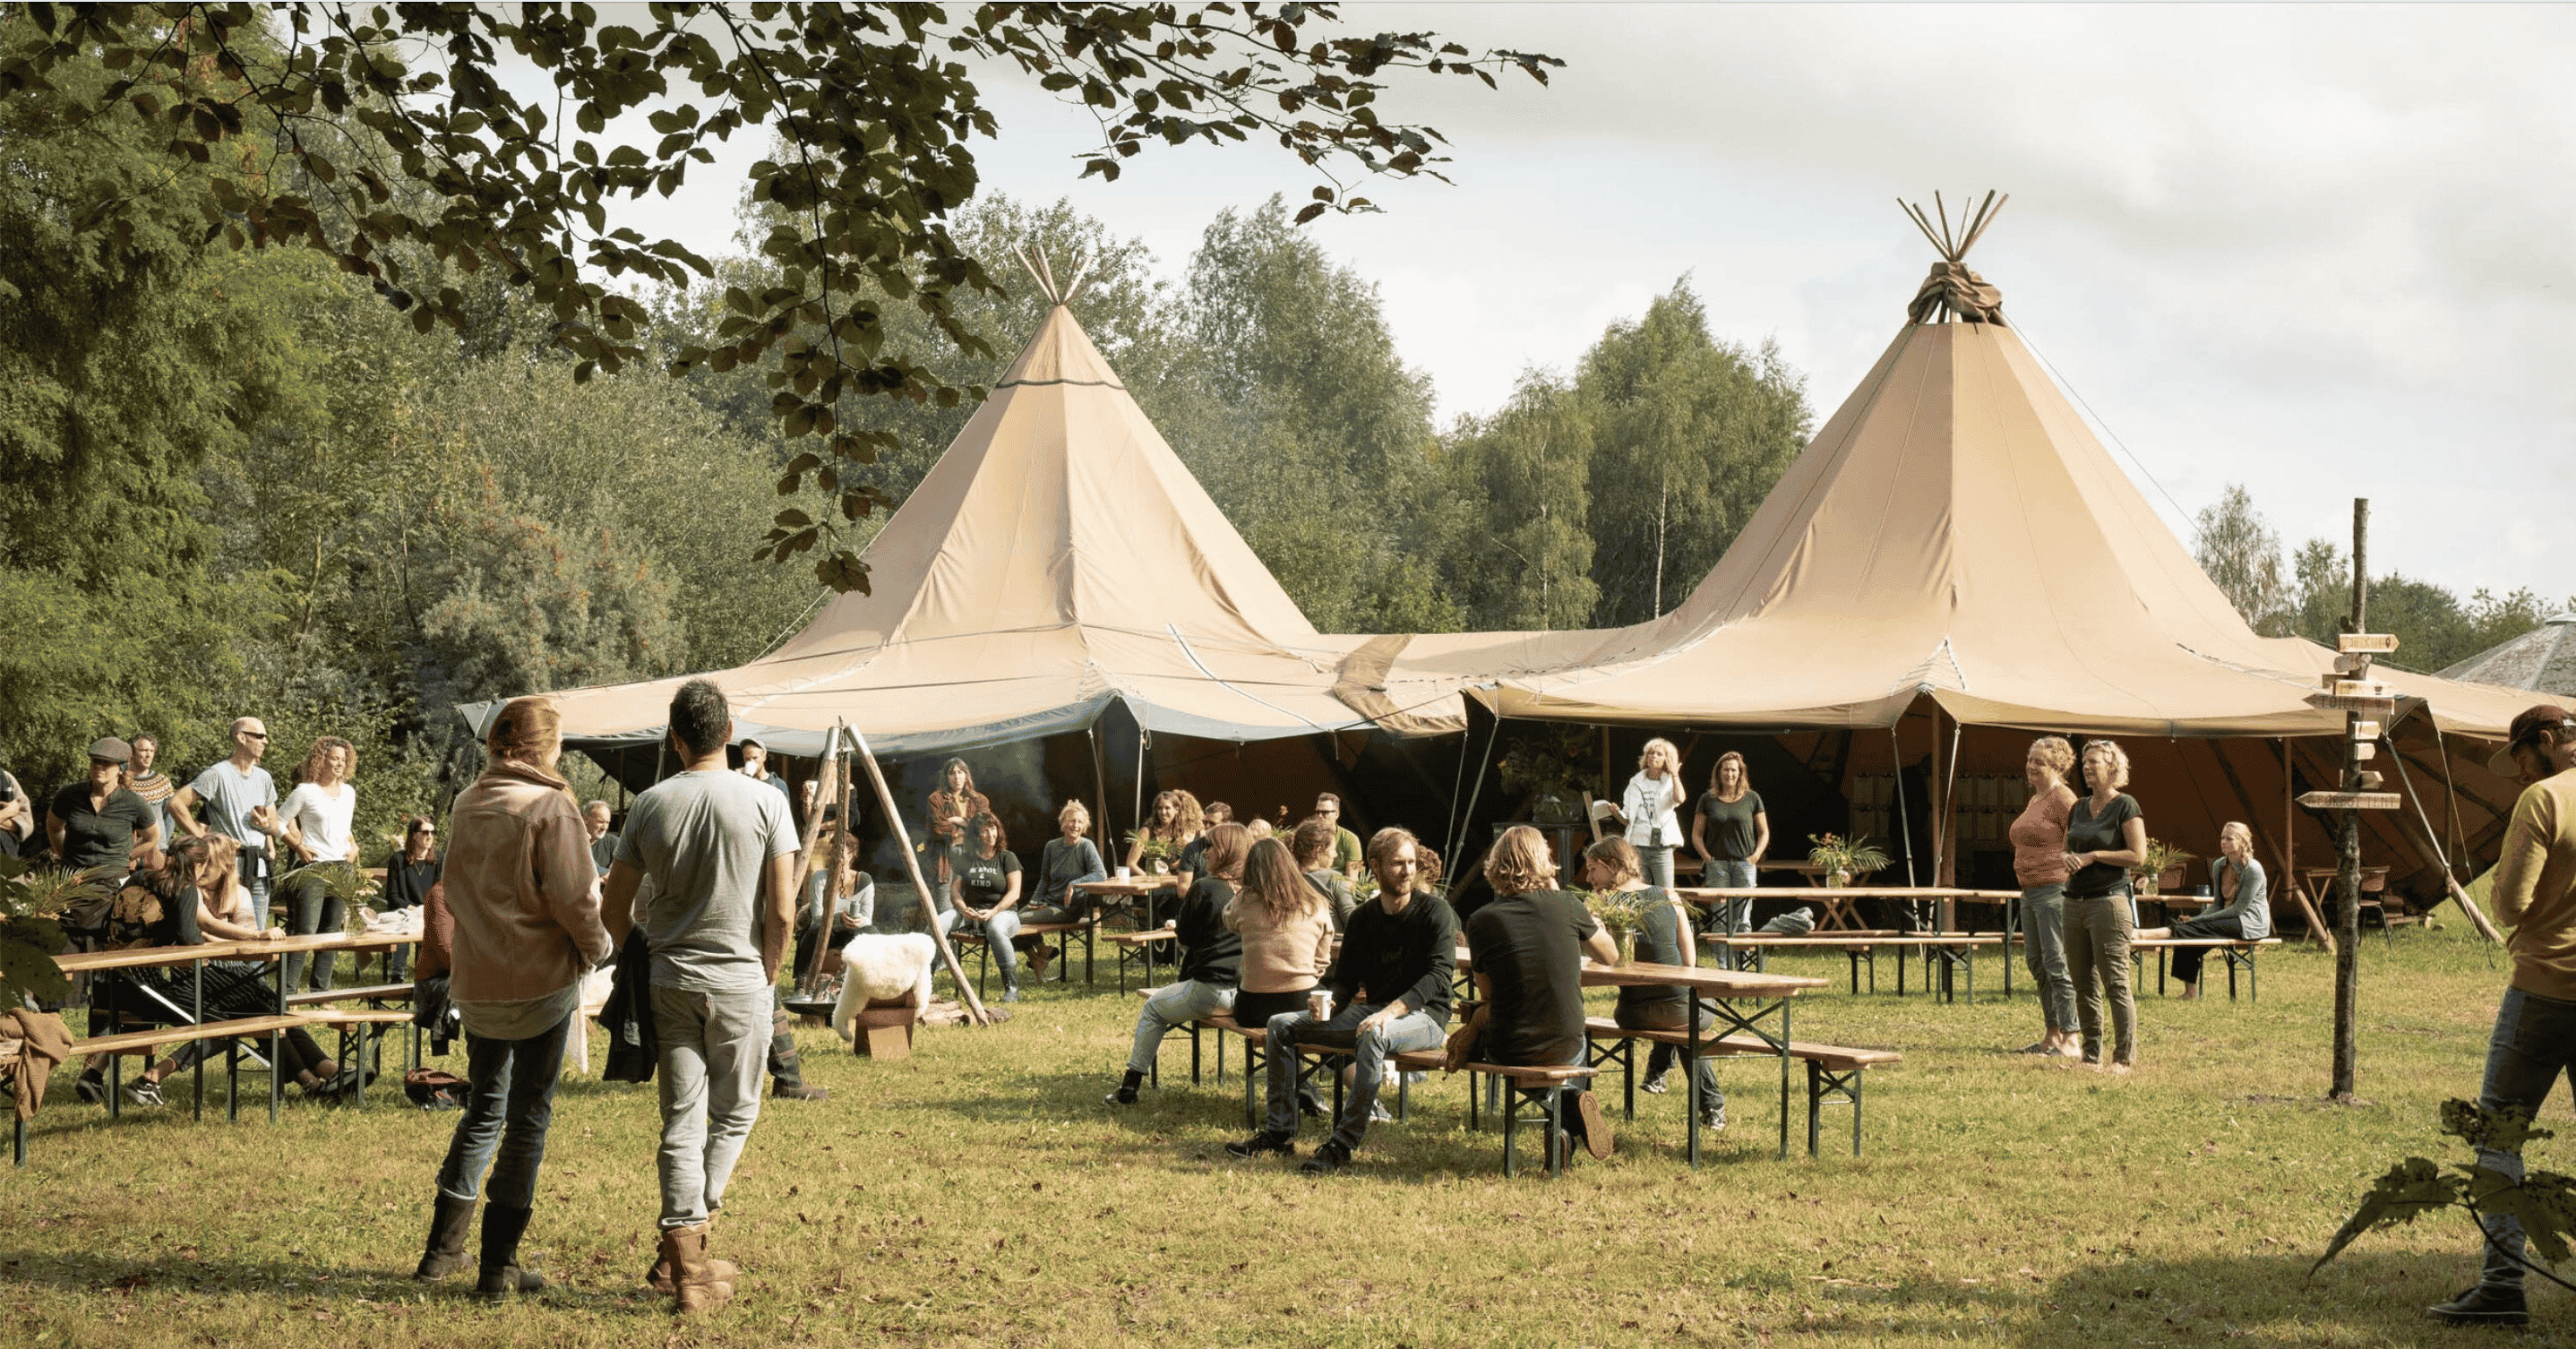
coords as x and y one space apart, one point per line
2365 702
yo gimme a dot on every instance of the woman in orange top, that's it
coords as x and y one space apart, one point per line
2039 863
952 807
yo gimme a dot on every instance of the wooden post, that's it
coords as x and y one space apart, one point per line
920 887
2347 1009
807 979
2317 929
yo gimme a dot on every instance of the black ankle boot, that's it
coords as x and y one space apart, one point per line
1126 1093
502 1273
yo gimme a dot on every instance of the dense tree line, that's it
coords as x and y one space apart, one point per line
2308 593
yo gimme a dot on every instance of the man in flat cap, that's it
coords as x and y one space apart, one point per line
98 821
2535 1027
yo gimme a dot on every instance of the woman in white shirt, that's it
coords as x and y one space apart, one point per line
1650 809
317 815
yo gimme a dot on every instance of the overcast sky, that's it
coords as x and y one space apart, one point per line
2323 251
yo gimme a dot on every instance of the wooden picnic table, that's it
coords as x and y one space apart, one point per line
1837 899
1768 993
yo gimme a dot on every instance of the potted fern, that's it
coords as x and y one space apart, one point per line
1841 859
1620 913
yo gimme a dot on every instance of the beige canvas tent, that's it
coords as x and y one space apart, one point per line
1057 560
1955 549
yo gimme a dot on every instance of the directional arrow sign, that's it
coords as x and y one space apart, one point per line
2365 730
2354 663
2366 641
2349 800
2382 707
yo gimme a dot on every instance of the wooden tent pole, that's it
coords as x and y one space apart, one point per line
920 887
2477 916
813 835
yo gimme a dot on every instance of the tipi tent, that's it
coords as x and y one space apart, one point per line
1954 546
1057 560
2542 660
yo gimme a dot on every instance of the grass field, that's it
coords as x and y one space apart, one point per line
979 1193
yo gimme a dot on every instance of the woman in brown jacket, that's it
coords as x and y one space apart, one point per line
524 897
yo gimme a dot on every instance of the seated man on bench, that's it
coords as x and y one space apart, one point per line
1528 948
1389 992
2243 914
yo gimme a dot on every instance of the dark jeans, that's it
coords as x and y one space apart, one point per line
2186 959
2534 1041
1676 1016
1414 1030
311 909
508 1105
1256 1009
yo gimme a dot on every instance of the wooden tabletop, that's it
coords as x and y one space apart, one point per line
143 957
1803 892
1722 984
1141 885
1847 939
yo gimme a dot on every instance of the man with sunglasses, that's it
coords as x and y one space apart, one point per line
2535 1027
241 804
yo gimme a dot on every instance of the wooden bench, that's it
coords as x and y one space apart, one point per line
145 1041
1061 932
2237 951
883 1028
353 1024
1833 1071
1137 949
1945 954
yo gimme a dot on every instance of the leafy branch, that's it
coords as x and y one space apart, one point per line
2544 1201
32 903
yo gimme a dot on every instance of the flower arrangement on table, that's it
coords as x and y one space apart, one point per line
1153 854
1841 859
2161 859
1621 913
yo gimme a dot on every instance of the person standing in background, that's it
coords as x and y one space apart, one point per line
17 818
2039 862
154 786
318 814
1346 845
2106 834
953 805
241 804
1730 831
755 765
1649 809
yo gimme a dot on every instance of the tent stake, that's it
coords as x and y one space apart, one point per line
920 887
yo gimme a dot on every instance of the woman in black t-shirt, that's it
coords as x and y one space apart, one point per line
1730 831
2106 834
1663 938
1211 957
408 875
987 881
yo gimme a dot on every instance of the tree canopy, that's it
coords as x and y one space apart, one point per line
386 138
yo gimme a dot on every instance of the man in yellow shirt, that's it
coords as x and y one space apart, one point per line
2535 1029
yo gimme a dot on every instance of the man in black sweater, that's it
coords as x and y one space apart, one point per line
1390 991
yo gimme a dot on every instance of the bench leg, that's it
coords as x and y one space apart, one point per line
1815 1105
1555 1130
1255 1059
18 1139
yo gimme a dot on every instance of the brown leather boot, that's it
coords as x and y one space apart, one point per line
660 1278
693 1273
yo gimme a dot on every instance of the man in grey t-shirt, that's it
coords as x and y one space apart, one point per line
240 801
721 853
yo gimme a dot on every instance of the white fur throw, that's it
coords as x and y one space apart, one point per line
877 967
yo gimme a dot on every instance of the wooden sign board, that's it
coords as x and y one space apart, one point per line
2356 664
2349 800
2369 781
2365 730
2334 702
2366 641
2364 751
2360 688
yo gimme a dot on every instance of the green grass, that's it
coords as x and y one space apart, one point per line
979 1193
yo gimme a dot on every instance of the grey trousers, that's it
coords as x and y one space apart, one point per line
2043 933
2097 960
1413 1030
715 1051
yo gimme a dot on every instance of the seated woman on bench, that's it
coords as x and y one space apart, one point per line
2243 914
1663 938
168 907
1211 958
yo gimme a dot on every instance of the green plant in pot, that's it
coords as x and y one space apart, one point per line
1546 768
1152 854
1620 913
1841 859
2162 867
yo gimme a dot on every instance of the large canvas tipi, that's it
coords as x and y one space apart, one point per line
1058 560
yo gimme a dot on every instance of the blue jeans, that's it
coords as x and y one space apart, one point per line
715 1050
998 932
508 1104
311 909
1177 1005
1729 915
2534 1041
1413 1030
258 902
2043 936
1657 863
